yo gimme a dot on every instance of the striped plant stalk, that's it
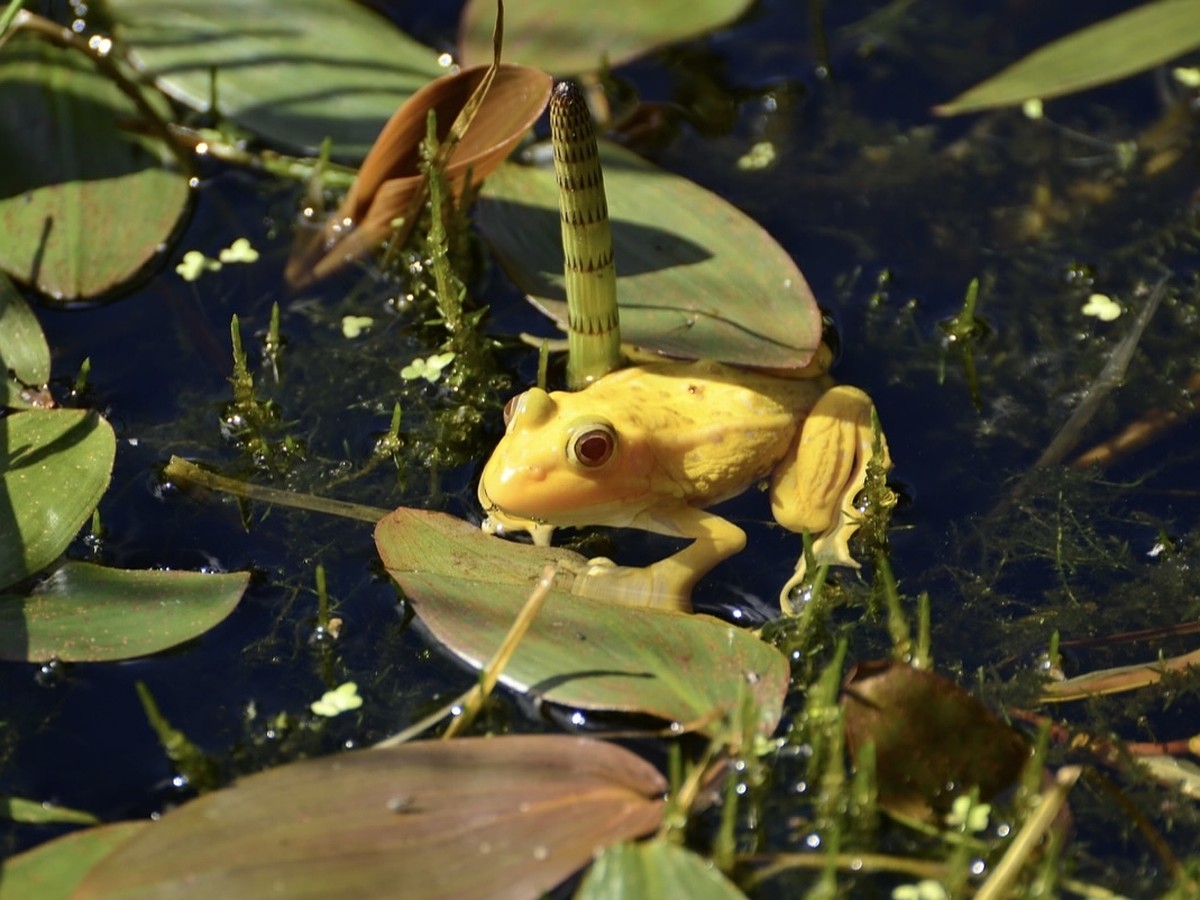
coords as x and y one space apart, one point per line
593 330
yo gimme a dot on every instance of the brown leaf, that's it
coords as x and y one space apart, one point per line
390 177
933 740
476 817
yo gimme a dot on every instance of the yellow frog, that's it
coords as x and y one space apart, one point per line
651 446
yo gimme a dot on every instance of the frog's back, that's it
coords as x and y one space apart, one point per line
713 429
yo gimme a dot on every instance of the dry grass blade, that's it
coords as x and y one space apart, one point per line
391 184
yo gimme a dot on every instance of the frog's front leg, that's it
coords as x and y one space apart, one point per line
668 583
814 489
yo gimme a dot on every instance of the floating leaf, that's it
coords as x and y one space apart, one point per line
31 811
90 613
506 816
932 739
294 72
24 354
652 870
391 176
1143 37
83 205
53 869
571 38
696 277
54 467
467 588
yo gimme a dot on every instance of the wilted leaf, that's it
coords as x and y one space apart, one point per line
932 739
1119 679
1143 37
90 613
24 354
83 205
390 176
52 870
696 277
467 588
294 72
652 870
571 38
54 467
497 817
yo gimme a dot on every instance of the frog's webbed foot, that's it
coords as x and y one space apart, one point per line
668 583
651 585
816 491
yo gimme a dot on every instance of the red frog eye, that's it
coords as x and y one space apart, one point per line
592 446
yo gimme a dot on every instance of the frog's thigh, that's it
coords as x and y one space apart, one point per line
827 465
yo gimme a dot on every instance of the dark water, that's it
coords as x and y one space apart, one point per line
889 213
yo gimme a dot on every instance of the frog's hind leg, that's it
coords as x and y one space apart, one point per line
668 583
814 488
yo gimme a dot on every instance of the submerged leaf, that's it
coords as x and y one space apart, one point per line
572 38
933 740
501 817
467 588
84 206
294 72
90 613
24 354
390 176
54 467
696 277
1143 37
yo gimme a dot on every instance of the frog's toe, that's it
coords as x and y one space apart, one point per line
599 564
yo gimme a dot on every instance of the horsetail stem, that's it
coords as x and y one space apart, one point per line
593 330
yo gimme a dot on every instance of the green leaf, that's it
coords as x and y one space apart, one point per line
52 870
89 613
652 870
431 819
84 205
24 354
1131 42
572 38
467 588
696 277
294 73
33 812
54 467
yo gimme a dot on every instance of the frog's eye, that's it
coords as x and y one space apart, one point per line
593 446
510 408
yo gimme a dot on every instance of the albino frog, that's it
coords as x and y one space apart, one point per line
651 446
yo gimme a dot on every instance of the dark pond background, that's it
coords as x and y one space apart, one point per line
889 213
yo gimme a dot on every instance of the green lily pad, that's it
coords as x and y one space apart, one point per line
651 870
24 354
54 467
460 818
696 277
571 38
294 73
53 869
89 613
467 587
84 205
1140 39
